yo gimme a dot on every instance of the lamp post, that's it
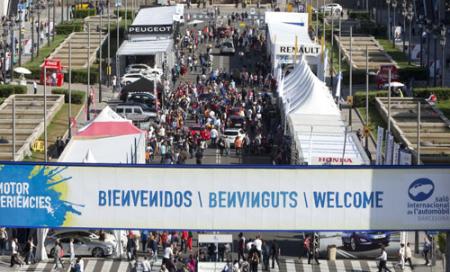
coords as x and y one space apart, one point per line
388 3
48 22
5 39
13 47
54 22
435 37
443 42
429 30
394 5
32 32
410 16
421 25
38 32
20 37
404 24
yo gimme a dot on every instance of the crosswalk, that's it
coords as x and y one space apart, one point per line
285 265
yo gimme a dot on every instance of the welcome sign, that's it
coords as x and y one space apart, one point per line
225 198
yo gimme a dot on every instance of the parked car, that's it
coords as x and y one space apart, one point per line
137 67
135 111
130 78
200 131
144 98
83 246
356 240
230 135
332 7
227 47
61 233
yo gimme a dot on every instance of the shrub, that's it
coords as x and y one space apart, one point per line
418 73
67 28
77 96
122 13
359 15
7 90
83 13
80 76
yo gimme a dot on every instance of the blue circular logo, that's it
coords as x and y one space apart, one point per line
421 189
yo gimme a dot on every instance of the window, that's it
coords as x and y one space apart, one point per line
138 110
128 110
119 110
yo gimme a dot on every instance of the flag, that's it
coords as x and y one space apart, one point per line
405 158
389 148
380 136
338 86
395 154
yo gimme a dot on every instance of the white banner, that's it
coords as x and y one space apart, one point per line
207 198
380 136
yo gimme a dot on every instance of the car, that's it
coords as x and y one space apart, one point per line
143 98
61 233
230 135
130 78
137 67
332 7
355 240
227 47
83 246
136 111
236 121
200 131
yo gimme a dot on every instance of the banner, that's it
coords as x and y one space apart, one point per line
227 198
380 135
405 158
395 154
389 149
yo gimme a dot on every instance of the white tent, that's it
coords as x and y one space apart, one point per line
315 121
109 138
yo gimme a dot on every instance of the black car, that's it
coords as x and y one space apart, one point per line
143 98
236 121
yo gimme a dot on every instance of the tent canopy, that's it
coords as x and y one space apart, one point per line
155 16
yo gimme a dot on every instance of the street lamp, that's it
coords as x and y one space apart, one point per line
435 37
388 3
20 37
12 46
421 25
394 5
429 30
38 29
410 16
404 13
5 39
32 32
48 22
443 42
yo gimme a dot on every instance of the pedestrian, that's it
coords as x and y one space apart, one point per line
131 247
199 156
72 251
58 252
15 258
241 246
114 84
266 255
34 87
254 258
426 249
3 240
146 265
275 253
383 261
401 256
29 252
408 256
167 257
79 265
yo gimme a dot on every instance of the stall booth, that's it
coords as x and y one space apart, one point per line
53 70
150 38
288 38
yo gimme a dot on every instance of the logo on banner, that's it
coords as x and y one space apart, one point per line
421 189
424 205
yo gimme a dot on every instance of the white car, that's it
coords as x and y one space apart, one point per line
130 78
140 67
335 8
230 134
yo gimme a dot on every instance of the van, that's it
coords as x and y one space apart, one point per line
135 112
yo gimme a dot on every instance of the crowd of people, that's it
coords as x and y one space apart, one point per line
206 100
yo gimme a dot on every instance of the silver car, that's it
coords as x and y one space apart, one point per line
227 47
83 246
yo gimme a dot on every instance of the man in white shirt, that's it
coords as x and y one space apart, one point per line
408 256
258 243
168 253
146 265
383 260
401 255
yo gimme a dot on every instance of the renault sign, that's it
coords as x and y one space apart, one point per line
225 198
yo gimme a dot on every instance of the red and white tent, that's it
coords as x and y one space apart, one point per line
109 138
